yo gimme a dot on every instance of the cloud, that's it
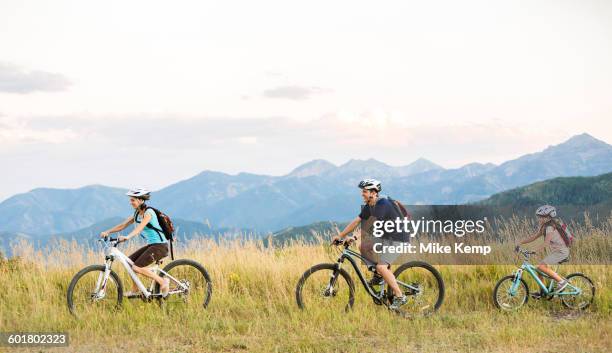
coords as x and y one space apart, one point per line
14 79
354 130
15 132
166 132
292 92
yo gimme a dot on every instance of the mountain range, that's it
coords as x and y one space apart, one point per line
315 191
572 196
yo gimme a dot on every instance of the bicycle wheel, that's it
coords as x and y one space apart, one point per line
423 285
504 298
587 292
87 291
190 284
324 286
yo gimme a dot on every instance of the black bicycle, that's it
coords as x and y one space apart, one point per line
328 285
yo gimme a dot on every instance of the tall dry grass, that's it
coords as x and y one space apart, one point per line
253 306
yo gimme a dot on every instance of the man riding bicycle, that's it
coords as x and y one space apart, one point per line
380 209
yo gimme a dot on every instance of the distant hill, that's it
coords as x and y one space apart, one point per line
185 230
315 191
307 233
573 196
8 238
183 227
44 211
577 191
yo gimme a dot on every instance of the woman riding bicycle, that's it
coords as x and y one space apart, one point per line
549 228
157 244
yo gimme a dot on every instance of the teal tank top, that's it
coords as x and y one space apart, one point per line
150 235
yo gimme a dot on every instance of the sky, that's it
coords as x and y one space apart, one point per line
148 93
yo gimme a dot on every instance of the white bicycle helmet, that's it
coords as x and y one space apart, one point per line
546 210
139 193
370 184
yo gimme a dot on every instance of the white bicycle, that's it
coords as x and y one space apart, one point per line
99 287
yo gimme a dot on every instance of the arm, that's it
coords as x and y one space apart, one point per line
529 240
145 220
348 229
118 227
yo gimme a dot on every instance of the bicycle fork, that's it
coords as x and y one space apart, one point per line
333 278
100 290
516 282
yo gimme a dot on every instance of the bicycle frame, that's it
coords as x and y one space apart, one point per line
533 272
350 255
111 253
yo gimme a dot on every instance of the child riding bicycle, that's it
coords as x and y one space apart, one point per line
554 239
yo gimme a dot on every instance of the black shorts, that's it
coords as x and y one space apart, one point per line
149 253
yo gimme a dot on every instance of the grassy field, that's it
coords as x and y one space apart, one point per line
253 309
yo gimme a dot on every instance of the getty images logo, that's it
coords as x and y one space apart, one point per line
411 227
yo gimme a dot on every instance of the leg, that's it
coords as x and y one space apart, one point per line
553 258
153 253
546 269
135 257
542 292
146 272
385 272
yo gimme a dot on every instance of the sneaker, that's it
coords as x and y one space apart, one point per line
376 280
561 286
398 301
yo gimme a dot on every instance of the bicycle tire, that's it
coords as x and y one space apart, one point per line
436 275
320 267
565 299
199 268
496 290
80 274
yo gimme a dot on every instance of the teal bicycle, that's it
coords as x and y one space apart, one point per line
512 292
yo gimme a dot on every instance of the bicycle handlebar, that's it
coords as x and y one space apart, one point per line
110 240
525 253
346 242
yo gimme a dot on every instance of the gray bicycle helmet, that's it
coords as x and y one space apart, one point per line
546 210
139 193
370 184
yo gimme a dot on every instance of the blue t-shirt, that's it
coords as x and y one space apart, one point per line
151 235
384 210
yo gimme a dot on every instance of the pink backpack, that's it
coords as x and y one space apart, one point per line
566 234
